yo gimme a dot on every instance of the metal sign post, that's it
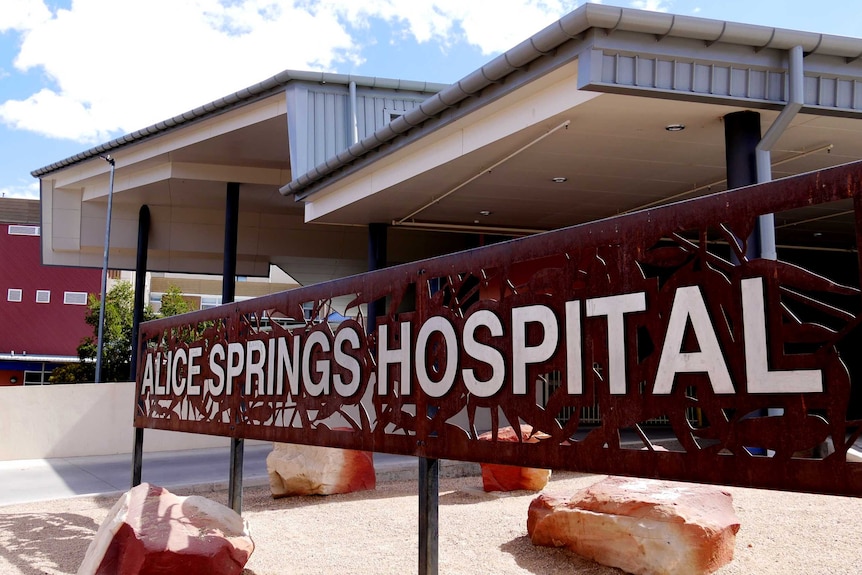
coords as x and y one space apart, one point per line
429 499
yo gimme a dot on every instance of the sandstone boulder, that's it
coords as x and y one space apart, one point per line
150 531
642 526
312 470
496 477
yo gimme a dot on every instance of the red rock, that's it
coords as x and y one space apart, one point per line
642 526
496 477
151 531
312 470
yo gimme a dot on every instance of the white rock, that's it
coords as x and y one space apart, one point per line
642 526
151 530
312 470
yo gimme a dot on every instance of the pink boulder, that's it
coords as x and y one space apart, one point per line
496 477
151 531
642 526
312 470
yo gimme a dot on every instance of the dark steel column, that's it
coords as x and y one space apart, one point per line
741 136
377 236
429 499
140 283
429 469
228 292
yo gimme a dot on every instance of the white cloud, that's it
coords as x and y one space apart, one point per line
653 5
119 66
49 113
22 15
491 25
113 67
28 191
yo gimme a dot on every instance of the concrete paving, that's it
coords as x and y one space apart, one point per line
200 470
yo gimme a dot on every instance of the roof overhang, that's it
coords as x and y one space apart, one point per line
589 99
586 99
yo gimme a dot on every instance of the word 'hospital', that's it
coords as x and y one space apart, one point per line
320 363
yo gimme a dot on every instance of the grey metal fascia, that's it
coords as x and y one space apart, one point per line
572 26
37 358
247 95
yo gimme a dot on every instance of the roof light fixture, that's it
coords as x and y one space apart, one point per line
675 127
559 179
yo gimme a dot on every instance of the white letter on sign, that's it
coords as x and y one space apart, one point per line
615 307
574 355
760 379
688 304
443 327
484 353
523 354
387 357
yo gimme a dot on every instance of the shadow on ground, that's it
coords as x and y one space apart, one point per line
28 541
552 560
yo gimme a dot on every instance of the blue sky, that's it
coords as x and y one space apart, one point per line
76 73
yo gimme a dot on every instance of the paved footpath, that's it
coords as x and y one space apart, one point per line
205 470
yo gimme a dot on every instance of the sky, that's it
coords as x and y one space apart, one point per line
77 73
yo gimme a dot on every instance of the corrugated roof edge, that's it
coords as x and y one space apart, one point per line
566 28
259 90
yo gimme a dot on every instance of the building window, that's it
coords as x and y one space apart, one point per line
75 298
43 296
37 377
308 310
210 301
16 230
13 294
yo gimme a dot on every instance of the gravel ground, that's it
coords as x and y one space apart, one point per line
376 532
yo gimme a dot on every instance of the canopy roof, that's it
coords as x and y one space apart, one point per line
589 99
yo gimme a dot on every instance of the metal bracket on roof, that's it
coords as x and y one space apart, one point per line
709 43
609 31
545 52
660 37
768 42
819 41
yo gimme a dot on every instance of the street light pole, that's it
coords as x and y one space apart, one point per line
101 337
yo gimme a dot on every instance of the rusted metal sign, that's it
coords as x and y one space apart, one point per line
646 345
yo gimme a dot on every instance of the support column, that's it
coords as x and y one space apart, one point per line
741 136
377 236
140 283
429 500
429 469
228 293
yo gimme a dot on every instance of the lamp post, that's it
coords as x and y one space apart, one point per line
101 337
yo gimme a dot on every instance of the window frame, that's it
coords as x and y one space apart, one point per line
66 298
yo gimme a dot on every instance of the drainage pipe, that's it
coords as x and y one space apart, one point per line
354 123
763 156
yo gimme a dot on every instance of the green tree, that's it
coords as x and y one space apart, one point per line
174 302
117 339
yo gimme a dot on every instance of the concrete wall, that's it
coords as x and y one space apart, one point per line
47 421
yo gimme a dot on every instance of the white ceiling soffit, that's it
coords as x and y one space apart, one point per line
240 99
554 46
458 157
466 146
